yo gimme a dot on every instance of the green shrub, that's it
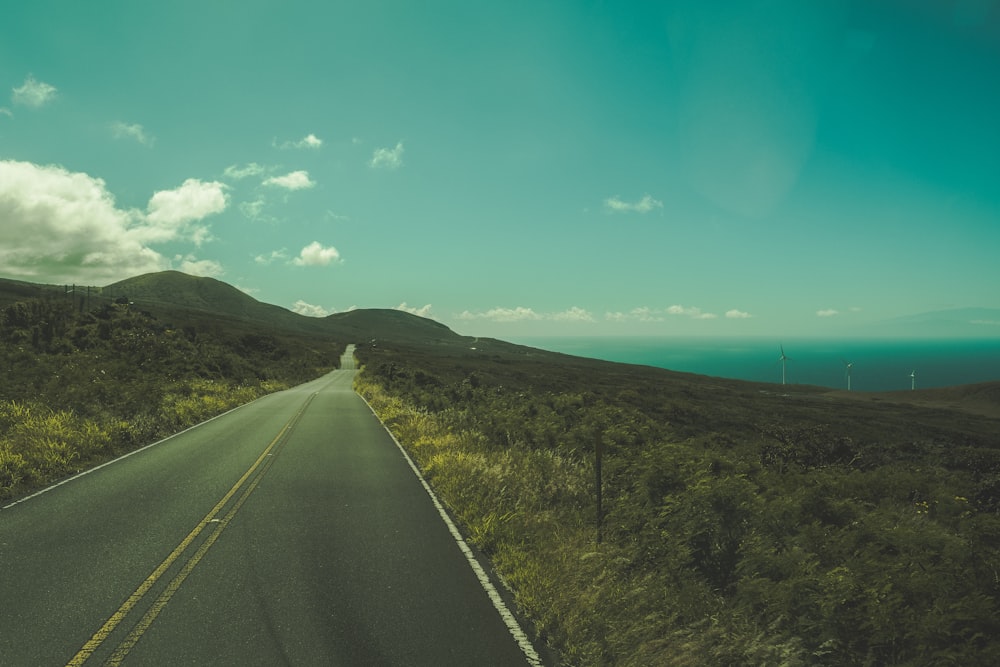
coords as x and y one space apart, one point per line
736 531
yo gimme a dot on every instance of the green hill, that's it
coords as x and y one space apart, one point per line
180 294
177 293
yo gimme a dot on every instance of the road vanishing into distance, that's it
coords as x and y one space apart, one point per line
290 531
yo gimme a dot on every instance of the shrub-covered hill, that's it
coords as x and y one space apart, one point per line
741 523
201 298
83 384
90 372
182 296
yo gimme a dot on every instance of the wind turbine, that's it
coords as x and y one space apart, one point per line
847 367
913 380
782 359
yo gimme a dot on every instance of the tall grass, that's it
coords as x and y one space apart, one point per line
39 444
80 387
531 512
718 549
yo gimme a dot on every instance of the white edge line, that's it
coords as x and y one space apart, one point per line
508 618
125 456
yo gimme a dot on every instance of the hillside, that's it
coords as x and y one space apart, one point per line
178 293
92 372
739 522
12 291
364 325
87 377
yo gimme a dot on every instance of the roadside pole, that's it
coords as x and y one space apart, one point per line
598 455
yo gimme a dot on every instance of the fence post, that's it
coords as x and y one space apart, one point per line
598 455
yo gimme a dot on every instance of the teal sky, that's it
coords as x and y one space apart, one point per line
515 168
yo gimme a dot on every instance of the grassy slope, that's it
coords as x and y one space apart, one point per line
82 385
90 373
744 523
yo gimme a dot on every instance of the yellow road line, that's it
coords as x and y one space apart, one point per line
116 618
147 620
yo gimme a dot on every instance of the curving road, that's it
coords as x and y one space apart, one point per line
291 531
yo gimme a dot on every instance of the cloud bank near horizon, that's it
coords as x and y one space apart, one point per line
65 226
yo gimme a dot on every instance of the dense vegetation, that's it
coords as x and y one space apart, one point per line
84 381
741 525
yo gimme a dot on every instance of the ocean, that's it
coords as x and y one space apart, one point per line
877 364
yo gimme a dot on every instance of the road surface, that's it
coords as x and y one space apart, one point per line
291 531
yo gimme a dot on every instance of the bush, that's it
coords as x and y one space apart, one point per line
737 531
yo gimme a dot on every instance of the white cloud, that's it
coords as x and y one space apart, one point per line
253 209
423 311
517 314
692 312
296 180
387 158
33 93
273 256
238 173
171 212
193 200
4 111
308 141
199 267
641 314
522 314
827 312
136 132
315 254
574 314
61 226
644 205
308 309
645 314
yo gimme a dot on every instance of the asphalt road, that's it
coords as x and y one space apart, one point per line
291 531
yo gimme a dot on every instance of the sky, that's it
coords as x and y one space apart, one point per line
515 168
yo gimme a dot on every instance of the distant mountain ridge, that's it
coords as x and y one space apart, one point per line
954 322
174 290
208 295
176 294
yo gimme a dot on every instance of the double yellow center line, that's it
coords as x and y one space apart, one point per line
259 467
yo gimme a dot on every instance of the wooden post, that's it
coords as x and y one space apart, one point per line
598 455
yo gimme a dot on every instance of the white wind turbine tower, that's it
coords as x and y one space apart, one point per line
913 380
848 365
782 359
